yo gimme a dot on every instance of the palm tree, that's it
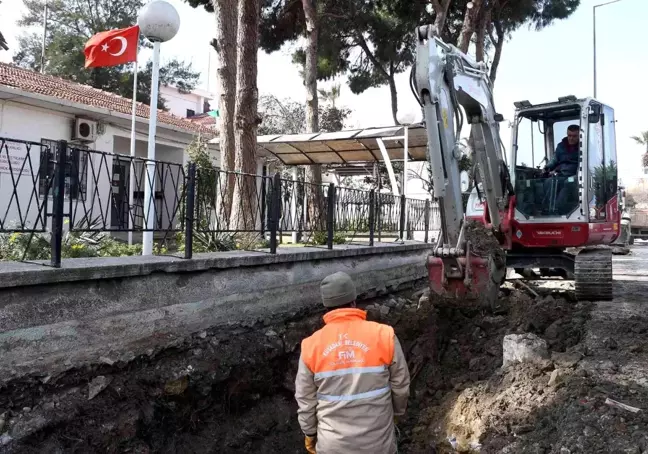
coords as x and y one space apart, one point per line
331 95
643 140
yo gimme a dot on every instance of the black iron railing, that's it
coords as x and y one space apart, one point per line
54 188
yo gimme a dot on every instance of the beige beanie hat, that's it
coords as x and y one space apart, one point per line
337 290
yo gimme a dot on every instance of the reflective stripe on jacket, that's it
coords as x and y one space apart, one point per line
352 380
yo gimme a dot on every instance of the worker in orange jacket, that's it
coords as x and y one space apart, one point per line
352 379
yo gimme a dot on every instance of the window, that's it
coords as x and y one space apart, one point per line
609 140
76 170
530 143
596 183
542 193
602 164
190 113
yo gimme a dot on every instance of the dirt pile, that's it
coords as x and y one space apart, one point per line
566 404
482 240
456 408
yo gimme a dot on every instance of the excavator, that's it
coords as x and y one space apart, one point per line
559 222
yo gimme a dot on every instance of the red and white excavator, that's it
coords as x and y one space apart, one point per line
554 222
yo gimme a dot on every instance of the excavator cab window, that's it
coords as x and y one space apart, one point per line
546 167
602 178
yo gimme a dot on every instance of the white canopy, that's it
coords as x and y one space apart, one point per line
346 147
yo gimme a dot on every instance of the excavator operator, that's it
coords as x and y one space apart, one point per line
563 164
565 161
352 381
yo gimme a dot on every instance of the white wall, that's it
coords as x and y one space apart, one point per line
28 123
170 174
177 103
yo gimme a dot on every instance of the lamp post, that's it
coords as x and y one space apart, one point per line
159 22
594 35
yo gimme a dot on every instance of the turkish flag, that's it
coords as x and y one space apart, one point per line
112 47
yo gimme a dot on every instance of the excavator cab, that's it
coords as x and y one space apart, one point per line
565 173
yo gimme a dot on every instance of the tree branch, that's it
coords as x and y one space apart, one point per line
365 47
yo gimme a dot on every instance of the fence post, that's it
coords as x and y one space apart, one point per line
427 219
58 197
190 210
275 200
372 216
264 182
330 215
403 206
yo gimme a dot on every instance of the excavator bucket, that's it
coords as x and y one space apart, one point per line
468 281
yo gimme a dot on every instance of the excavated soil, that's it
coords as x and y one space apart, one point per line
482 240
231 390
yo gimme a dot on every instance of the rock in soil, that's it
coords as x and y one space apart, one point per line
524 348
97 385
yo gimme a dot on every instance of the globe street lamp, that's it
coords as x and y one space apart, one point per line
159 22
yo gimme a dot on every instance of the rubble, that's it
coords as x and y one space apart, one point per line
97 385
567 359
556 377
524 348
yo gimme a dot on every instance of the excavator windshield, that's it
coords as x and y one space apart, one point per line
547 145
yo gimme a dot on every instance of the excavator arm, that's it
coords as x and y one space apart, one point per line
453 89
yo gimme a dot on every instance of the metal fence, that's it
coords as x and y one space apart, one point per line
55 187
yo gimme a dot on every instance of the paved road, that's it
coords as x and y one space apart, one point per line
617 332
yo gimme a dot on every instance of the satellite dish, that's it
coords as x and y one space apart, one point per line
465 181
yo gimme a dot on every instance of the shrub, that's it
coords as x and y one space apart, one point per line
321 238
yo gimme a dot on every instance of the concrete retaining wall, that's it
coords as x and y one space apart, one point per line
94 310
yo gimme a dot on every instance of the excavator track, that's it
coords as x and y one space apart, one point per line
593 275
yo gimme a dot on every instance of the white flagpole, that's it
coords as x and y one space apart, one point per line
131 185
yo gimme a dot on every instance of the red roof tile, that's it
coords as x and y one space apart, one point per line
55 87
204 119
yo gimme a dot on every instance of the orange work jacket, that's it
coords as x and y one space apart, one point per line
351 382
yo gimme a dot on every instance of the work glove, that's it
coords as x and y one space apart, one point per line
309 443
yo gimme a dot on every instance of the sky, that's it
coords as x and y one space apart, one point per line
538 66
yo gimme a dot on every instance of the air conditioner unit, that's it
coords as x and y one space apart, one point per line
84 130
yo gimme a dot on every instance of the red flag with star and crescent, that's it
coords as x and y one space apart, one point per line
112 47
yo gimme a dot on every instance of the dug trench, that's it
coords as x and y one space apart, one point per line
231 390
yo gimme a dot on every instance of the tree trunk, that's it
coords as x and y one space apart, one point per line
313 173
468 27
441 10
245 212
499 44
394 97
225 46
483 19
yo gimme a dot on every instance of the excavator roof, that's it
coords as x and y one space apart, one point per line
569 100
564 107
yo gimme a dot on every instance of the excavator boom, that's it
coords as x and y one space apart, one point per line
453 89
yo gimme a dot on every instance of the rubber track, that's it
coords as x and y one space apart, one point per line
593 275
